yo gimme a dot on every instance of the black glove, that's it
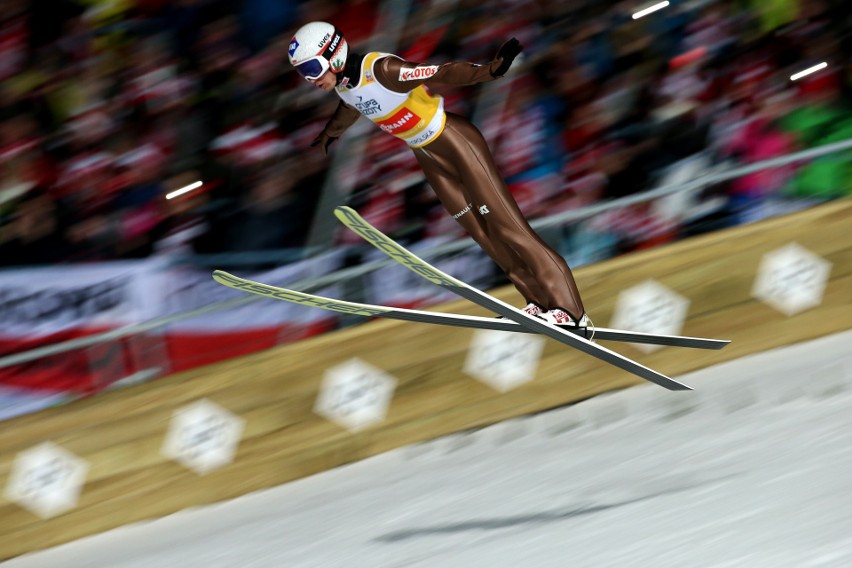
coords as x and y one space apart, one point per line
325 140
507 52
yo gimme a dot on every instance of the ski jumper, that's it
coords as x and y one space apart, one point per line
457 164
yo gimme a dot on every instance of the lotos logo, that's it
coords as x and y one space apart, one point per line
402 121
294 45
423 72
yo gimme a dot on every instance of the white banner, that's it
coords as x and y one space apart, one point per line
42 301
186 289
39 306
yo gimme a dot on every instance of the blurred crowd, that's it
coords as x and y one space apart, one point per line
108 105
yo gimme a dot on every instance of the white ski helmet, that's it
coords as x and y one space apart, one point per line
316 48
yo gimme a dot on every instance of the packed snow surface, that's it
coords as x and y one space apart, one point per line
752 469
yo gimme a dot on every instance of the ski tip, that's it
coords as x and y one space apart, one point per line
225 278
343 212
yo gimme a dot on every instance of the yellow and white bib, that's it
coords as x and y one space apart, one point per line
417 117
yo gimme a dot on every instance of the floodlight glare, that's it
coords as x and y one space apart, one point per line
808 71
183 190
650 9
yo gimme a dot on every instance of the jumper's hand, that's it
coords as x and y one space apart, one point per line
324 141
506 55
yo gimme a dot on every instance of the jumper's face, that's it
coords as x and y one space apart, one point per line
326 81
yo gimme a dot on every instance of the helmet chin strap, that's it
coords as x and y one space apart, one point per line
351 69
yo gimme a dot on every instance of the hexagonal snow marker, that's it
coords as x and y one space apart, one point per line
791 279
650 307
355 395
203 436
503 360
46 480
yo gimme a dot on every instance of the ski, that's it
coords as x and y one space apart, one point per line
353 221
454 320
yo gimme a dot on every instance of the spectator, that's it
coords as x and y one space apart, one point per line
272 215
34 235
102 102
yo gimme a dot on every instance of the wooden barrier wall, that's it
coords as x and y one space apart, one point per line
121 433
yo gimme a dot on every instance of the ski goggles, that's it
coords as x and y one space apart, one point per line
313 68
